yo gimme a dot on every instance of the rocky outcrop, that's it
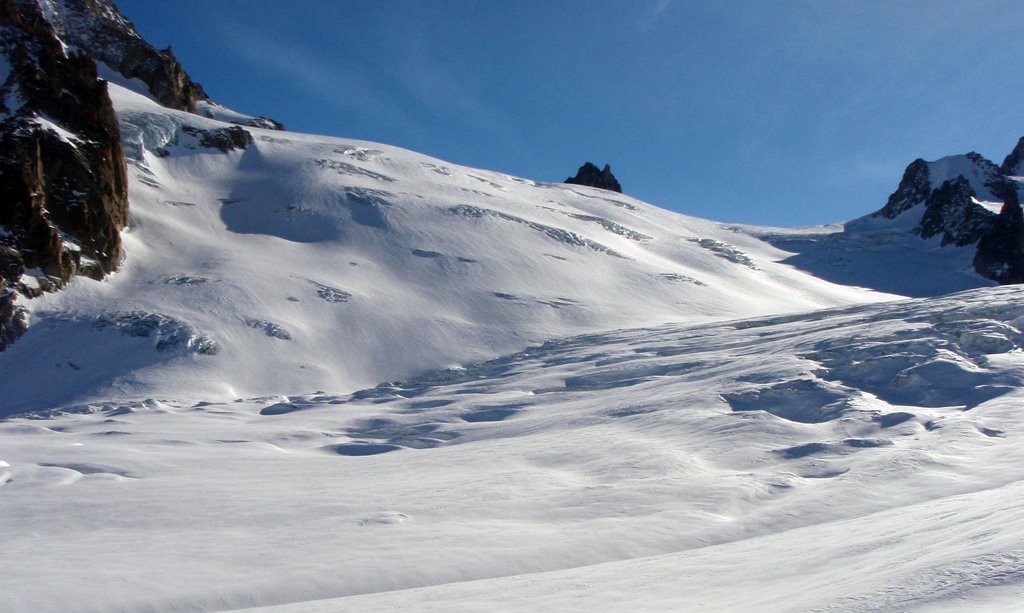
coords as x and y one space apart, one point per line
63 183
97 28
13 316
914 189
1013 165
945 193
954 197
590 175
1000 255
950 212
225 139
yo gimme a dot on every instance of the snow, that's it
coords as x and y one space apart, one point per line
993 207
611 470
439 264
47 124
339 375
135 85
221 113
878 253
13 99
978 173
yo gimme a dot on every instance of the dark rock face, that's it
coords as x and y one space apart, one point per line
949 210
994 181
589 174
950 213
914 189
63 183
1000 255
100 31
1013 165
13 317
98 28
226 139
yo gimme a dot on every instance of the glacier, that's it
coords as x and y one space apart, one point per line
332 374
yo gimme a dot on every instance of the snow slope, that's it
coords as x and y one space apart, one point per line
864 458
531 396
305 263
878 253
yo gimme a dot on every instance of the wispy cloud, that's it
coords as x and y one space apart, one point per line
435 86
652 15
345 84
389 91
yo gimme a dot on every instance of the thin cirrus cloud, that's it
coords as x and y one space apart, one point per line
431 85
344 84
381 93
650 16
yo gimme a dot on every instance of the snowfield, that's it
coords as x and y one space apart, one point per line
336 375
304 263
857 459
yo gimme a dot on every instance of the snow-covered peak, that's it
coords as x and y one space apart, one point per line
82 19
983 176
97 29
955 198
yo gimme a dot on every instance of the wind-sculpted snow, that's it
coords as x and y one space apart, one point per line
269 328
344 168
644 466
167 333
559 234
726 251
612 227
434 264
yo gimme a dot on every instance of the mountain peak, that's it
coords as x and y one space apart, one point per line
98 29
954 197
589 175
1013 165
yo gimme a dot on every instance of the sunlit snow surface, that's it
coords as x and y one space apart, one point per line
308 262
866 458
588 403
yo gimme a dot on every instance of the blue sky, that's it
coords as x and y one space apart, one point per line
769 112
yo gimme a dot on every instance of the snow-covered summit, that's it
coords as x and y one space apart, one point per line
955 198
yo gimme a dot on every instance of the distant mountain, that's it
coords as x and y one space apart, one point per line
958 199
941 231
955 198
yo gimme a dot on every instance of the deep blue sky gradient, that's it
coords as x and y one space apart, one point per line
769 112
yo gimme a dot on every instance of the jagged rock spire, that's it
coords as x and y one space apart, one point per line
589 174
1013 165
1000 255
